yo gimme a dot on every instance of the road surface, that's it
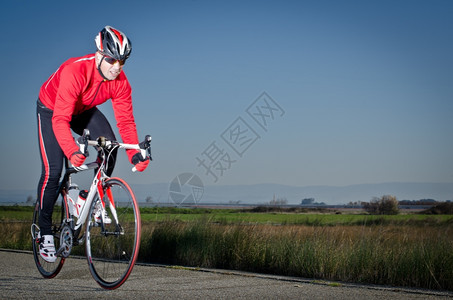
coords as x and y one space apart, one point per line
19 279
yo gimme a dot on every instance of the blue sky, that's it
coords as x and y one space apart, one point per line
365 87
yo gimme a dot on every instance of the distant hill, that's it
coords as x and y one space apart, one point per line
16 196
263 193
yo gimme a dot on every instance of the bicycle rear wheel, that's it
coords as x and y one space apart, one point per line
48 270
112 249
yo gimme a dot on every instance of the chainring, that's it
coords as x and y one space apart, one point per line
66 241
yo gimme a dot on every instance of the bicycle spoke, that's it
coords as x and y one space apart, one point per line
112 249
47 270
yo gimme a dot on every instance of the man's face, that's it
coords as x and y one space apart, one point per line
110 70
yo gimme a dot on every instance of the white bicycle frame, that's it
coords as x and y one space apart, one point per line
96 187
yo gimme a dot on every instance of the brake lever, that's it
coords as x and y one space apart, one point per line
83 142
145 147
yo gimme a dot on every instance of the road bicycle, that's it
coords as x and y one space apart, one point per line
108 222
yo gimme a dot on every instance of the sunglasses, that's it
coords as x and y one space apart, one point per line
112 60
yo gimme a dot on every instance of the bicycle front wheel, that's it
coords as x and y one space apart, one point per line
48 270
112 248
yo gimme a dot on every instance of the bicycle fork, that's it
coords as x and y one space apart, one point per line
111 202
97 188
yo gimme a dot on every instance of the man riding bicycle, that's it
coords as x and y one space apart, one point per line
68 100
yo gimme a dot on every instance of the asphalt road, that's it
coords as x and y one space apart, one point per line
19 279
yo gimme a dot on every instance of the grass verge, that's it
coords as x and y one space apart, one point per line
386 255
411 251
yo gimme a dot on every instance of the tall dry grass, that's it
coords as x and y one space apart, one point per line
395 254
389 255
15 235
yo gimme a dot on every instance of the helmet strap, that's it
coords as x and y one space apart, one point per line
99 68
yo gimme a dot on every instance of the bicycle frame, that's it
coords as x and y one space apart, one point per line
96 185
95 189
108 231
100 176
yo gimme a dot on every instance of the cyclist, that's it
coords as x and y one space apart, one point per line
68 100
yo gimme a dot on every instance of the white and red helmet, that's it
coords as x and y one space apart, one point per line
114 43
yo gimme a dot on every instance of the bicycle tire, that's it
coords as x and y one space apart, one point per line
48 270
112 249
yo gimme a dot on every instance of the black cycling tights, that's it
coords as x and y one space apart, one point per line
52 157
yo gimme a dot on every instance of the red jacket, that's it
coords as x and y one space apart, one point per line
76 87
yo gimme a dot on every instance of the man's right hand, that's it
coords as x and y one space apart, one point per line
140 162
77 159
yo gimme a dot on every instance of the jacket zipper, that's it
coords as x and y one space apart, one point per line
97 91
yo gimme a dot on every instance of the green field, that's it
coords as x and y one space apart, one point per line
244 216
412 250
288 218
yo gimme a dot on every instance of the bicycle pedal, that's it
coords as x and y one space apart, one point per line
80 241
64 251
